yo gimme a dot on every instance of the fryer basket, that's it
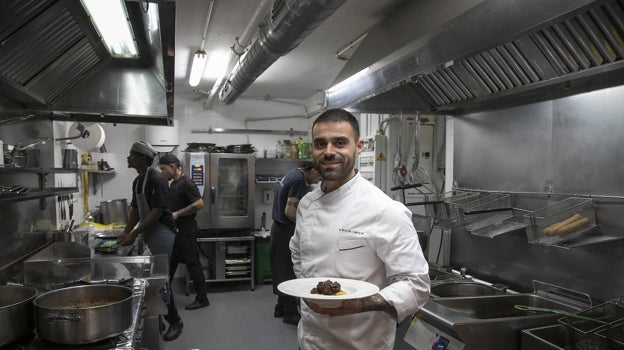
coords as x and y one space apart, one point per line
604 333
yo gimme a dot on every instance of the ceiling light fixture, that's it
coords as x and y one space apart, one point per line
111 21
199 58
197 68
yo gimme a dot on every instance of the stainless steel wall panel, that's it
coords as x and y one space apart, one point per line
573 144
509 151
588 144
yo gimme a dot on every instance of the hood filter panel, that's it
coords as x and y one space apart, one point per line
587 40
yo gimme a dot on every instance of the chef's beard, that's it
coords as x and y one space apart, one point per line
338 171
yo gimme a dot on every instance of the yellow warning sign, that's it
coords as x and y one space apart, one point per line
381 157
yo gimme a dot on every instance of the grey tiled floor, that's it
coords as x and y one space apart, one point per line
237 318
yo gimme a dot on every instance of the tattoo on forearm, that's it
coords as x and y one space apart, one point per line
185 211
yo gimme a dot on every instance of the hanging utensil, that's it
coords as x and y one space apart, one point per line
71 206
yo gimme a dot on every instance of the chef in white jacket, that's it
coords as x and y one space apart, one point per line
348 228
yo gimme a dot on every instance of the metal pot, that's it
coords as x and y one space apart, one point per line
16 313
83 314
114 211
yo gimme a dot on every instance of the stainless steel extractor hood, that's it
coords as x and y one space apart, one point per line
54 65
497 53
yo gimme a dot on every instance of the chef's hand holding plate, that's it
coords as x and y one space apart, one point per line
353 306
358 296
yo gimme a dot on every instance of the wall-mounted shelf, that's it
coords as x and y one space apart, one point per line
96 174
211 130
43 171
98 171
41 192
36 194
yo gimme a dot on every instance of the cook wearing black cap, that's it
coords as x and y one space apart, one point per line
292 188
150 209
184 201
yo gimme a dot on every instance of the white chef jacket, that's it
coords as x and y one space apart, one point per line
358 232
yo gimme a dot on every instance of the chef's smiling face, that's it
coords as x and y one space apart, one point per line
334 151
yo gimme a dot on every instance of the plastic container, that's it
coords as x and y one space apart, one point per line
541 219
263 260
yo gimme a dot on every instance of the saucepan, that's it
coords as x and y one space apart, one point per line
83 314
114 211
16 313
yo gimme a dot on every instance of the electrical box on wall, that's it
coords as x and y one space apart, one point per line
163 138
267 196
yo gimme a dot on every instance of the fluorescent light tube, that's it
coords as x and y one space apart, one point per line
197 68
111 21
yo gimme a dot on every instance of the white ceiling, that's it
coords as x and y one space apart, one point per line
310 67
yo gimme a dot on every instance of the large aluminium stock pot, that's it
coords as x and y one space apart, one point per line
114 211
83 314
16 313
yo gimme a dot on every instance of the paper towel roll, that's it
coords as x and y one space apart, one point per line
93 139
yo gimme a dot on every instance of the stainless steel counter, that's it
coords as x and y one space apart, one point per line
484 321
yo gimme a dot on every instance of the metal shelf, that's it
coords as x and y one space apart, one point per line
223 264
36 194
41 192
4 169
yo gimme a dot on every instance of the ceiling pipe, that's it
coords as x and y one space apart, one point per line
274 40
239 46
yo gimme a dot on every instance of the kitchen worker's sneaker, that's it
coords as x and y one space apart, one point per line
197 304
174 331
279 311
291 319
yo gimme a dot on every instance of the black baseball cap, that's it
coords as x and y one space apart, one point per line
169 159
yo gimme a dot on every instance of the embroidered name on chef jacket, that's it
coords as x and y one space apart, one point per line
351 231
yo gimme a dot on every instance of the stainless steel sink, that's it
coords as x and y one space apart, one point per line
463 289
500 306
489 322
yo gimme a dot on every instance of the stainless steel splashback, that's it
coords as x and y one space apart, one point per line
571 145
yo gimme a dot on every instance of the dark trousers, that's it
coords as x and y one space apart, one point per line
186 251
172 315
281 264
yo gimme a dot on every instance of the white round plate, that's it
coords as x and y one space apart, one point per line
301 288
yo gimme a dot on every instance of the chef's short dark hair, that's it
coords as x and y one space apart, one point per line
339 115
